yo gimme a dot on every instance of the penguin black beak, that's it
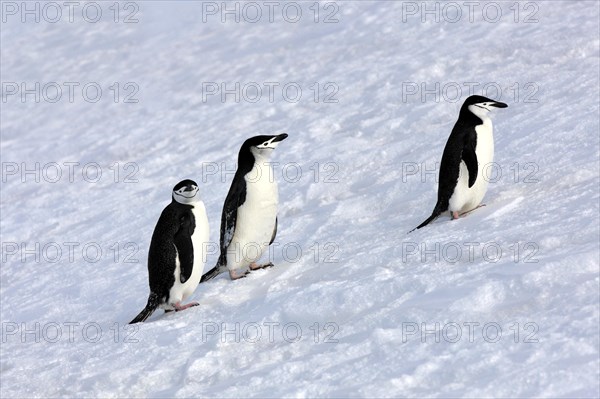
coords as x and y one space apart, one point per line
281 137
498 104
190 187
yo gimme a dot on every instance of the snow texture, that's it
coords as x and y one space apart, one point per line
501 303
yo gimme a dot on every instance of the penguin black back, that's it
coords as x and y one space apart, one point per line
163 252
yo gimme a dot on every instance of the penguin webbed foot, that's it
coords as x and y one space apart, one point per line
179 308
238 274
255 266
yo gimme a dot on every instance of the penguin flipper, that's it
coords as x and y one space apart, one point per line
470 158
184 245
151 306
235 198
227 231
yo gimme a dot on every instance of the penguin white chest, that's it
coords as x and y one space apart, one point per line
255 217
180 291
466 198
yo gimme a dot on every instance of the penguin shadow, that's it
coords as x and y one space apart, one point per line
477 215
262 281
166 315
501 207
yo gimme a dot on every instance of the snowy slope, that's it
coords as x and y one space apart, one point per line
502 303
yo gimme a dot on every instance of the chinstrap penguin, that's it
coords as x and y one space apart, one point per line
249 217
177 251
469 149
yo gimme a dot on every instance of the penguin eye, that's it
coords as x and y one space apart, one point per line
266 143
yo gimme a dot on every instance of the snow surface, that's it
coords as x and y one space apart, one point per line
361 279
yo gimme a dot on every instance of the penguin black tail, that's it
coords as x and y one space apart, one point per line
436 212
214 272
151 306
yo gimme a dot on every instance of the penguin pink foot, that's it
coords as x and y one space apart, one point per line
179 307
235 275
256 266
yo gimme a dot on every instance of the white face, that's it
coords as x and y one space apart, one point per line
481 109
187 197
268 145
265 148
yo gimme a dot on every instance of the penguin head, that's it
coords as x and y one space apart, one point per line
481 106
262 146
186 192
